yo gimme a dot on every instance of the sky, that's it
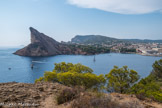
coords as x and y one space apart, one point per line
63 19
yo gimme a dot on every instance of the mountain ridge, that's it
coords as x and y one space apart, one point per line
143 40
98 39
93 39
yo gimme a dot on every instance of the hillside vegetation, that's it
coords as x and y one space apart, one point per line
94 39
99 39
118 80
150 86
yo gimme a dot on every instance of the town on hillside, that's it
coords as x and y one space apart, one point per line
142 47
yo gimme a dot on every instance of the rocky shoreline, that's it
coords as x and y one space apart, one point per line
153 55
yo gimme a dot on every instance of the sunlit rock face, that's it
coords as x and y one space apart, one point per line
42 45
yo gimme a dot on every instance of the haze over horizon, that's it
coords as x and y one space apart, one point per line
63 19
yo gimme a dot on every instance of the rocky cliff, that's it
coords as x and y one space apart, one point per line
42 45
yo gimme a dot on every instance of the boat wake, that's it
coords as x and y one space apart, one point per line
38 62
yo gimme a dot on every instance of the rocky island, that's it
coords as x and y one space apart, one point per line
42 45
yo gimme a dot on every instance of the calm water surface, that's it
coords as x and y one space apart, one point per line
22 72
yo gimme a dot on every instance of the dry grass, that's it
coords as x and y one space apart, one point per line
84 99
66 95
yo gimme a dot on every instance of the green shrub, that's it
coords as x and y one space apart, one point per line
121 79
74 75
88 80
50 76
157 68
148 87
66 67
39 80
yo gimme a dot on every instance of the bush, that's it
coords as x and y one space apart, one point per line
140 96
50 76
66 95
39 80
148 87
66 67
157 68
74 75
121 79
91 100
88 80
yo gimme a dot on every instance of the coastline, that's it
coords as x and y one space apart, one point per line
153 55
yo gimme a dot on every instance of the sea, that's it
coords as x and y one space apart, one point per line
18 68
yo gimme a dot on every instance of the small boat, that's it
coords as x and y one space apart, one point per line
32 66
9 68
94 58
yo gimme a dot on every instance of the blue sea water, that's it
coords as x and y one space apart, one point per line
21 66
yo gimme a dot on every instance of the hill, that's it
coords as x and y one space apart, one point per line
142 41
99 39
94 39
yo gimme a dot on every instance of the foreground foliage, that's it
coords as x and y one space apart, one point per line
150 86
74 75
157 68
66 95
121 79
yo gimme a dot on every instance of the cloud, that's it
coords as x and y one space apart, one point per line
121 6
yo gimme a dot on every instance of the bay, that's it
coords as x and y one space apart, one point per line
18 68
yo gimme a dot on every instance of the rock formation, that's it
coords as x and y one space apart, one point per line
42 45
